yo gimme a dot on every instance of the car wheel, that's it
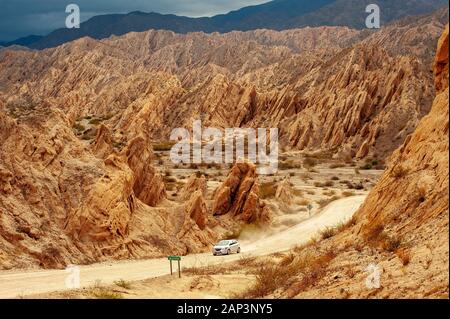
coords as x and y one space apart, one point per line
228 252
239 250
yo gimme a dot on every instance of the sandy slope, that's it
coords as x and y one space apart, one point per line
16 283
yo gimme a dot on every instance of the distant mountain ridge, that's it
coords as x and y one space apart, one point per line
275 15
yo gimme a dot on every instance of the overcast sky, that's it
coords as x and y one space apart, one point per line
20 18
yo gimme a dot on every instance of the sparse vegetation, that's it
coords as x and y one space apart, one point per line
205 270
305 269
376 236
347 193
100 292
289 164
309 162
328 232
366 166
399 171
123 284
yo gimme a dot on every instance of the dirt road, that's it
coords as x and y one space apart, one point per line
17 283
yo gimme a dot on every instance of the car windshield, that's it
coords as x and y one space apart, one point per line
223 243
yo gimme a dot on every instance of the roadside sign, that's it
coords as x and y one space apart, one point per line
175 258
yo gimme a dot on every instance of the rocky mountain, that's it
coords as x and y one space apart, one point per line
401 230
25 41
275 15
77 123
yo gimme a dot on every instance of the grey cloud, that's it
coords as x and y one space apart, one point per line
24 17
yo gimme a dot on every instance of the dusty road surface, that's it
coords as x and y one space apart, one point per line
17 283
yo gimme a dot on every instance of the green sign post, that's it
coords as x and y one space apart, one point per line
176 258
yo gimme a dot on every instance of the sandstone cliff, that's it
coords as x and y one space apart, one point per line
402 228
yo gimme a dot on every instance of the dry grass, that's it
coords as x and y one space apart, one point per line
348 193
328 232
399 171
123 284
100 292
246 261
377 237
330 192
287 259
205 270
324 202
309 162
309 266
289 164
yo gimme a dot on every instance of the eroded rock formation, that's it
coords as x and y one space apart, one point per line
239 195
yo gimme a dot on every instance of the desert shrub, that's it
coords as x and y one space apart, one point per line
328 232
347 193
377 236
330 192
391 244
336 165
399 171
287 259
309 162
318 184
205 270
100 292
366 166
324 202
123 284
328 183
334 178
246 261
289 164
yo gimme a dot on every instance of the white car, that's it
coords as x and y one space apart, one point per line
226 247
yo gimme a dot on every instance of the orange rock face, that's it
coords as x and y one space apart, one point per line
325 88
239 195
78 191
